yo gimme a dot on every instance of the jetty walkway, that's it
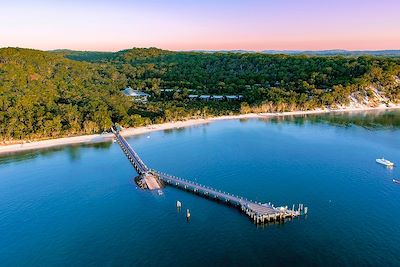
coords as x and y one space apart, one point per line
258 212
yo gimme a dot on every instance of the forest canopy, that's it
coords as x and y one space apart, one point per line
63 93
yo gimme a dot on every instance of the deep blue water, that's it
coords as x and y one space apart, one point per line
79 206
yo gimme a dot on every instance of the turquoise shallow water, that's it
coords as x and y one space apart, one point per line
78 206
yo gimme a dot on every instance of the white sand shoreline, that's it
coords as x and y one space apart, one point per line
97 138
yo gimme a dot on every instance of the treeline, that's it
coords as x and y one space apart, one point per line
62 93
303 81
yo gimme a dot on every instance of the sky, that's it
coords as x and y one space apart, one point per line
201 24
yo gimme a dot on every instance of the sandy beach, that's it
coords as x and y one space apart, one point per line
97 138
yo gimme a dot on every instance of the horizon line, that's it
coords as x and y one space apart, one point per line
210 50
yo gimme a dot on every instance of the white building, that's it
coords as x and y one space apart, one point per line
218 97
137 95
234 97
191 97
205 97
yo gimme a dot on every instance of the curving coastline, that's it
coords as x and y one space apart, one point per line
97 138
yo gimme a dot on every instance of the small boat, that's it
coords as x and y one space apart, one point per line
396 181
160 192
385 162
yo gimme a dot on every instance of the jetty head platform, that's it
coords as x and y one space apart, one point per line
153 179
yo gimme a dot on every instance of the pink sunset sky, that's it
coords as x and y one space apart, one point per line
202 24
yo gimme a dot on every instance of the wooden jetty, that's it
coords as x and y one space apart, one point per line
258 212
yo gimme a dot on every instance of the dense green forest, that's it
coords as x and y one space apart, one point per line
64 93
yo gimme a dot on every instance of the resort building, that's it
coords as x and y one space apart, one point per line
137 95
167 90
170 90
234 97
192 97
216 97
205 97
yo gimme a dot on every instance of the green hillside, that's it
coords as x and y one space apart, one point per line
63 93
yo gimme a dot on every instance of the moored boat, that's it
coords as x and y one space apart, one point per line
396 181
385 162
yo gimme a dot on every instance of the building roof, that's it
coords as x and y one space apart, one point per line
175 90
134 93
204 96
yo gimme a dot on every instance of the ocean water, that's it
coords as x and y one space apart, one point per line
79 206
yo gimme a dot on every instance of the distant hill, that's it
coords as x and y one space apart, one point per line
96 56
123 55
333 52
337 52
89 56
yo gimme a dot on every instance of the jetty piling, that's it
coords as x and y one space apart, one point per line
187 214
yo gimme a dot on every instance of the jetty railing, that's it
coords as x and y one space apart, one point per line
258 212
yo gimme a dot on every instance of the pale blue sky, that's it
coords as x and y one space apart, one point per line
201 24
